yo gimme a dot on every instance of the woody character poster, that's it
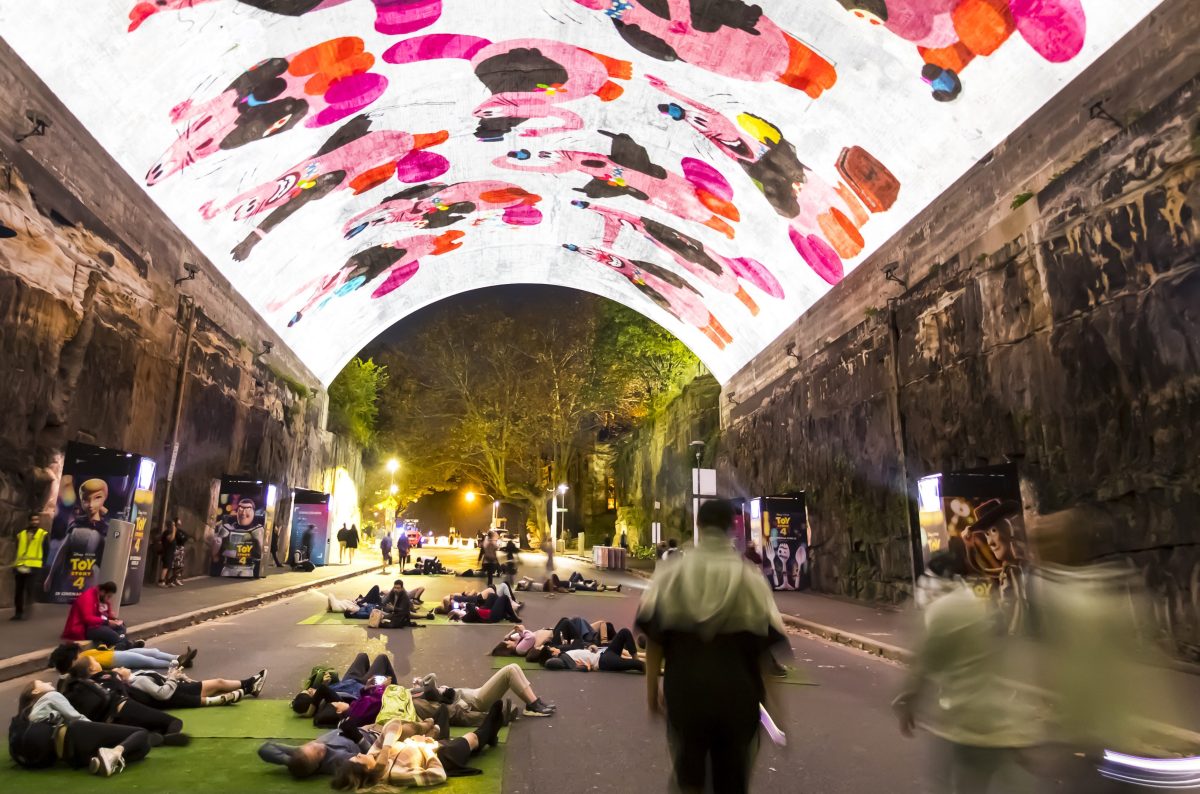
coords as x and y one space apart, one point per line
96 486
985 532
238 531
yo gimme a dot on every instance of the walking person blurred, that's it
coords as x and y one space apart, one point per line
711 623
490 556
27 565
385 549
402 549
959 687
275 547
343 535
352 541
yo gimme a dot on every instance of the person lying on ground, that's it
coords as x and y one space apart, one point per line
173 690
521 641
363 603
577 581
401 758
550 585
579 630
510 678
320 756
380 700
48 728
608 659
428 566
62 657
106 698
329 700
91 619
490 610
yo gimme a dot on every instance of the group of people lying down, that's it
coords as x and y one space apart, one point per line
102 713
577 582
575 644
387 733
400 608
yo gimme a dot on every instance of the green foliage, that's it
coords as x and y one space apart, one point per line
642 362
353 397
642 552
296 387
1020 199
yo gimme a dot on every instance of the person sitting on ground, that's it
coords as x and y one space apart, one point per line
106 698
48 728
400 757
173 690
326 700
398 610
62 657
463 700
91 619
608 659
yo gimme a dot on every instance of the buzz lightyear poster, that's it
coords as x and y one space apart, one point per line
238 534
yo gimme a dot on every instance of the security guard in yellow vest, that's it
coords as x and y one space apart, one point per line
31 553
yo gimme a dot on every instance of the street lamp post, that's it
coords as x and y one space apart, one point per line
470 497
562 489
393 466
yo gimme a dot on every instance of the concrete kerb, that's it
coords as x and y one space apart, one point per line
872 646
35 661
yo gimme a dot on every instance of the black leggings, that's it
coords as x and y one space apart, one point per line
359 670
85 738
501 609
612 660
187 695
139 715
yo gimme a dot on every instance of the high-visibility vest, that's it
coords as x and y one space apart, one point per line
30 548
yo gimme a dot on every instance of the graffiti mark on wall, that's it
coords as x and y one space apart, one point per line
667 290
949 34
700 194
354 158
728 37
824 220
528 78
319 85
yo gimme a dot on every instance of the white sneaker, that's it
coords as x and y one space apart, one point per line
259 680
107 762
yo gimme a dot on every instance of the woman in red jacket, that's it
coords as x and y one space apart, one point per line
91 619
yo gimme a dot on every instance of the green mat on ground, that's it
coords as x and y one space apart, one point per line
794 676
247 719
338 619
499 662
230 765
223 757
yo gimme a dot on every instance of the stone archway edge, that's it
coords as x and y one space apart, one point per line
35 661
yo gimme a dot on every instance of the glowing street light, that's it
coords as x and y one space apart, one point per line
561 489
393 466
470 497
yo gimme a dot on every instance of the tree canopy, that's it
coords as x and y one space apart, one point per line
353 400
497 396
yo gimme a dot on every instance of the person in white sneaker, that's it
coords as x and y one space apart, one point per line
47 728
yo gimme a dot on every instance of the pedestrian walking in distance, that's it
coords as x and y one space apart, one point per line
27 566
711 623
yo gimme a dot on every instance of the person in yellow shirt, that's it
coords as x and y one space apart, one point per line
27 565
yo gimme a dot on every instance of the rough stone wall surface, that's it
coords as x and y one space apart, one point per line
1066 337
654 463
239 416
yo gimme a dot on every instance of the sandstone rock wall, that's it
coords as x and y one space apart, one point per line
90 350
1063 335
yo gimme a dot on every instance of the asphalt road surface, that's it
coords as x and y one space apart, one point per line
841 735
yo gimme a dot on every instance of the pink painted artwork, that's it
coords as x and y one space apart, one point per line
529 79
355 158
700 194
435 205
320 85
728 37
949 34
393 17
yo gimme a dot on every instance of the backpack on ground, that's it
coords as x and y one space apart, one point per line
318 675
31 744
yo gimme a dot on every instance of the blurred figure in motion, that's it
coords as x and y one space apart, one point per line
1107 681
960 688
711 618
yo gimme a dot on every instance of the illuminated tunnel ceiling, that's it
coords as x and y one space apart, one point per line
713 164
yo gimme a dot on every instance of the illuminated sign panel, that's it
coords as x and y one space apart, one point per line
716 165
